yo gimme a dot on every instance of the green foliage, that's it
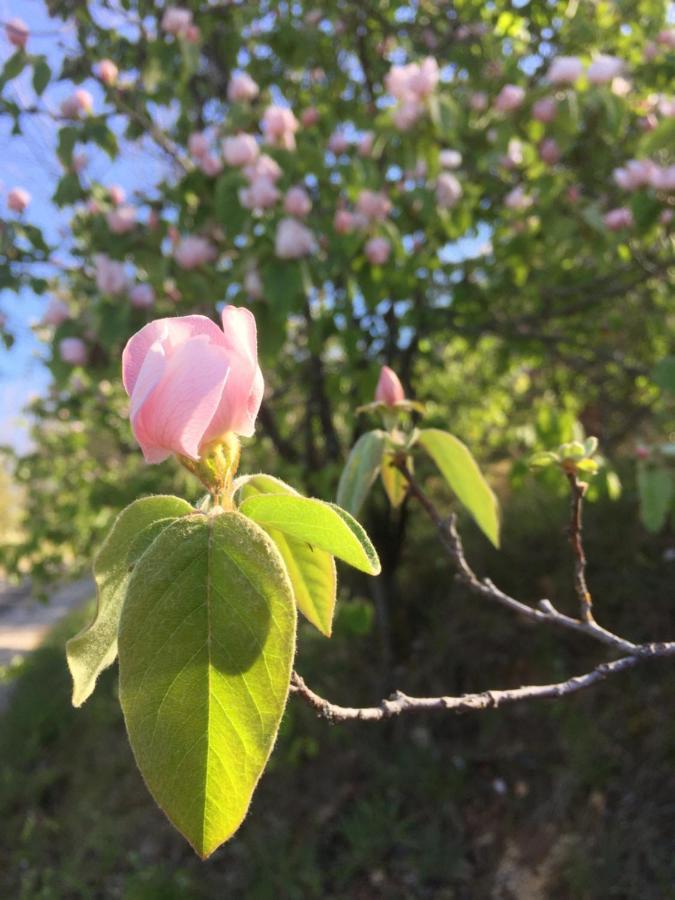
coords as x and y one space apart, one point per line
464 478
655 484
134 530
360 471
206 643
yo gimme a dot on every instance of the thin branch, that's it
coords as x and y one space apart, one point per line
400 703
575 535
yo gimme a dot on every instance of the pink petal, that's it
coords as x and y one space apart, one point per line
240 331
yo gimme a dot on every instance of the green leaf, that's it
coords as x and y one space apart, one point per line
543 459
360 471
311 570
663 373
319 524
206 645
393 480
656 488
41 75
460 470
13 67
95 647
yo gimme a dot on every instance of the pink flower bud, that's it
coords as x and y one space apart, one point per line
56 313
192 252
545 110
604 68
309 117
242 88
565 70
253 284
241 150
108 72
514 154
80 161
407 114
297 202
211 165
517 199
121 220
18 199
343 222
80 101
389 389
191 383
377 251
260 194
478 101
293 240
192 34
264 167
549 152
509 98
448 190
176 21
198 144
666 38
618 219
117 194
73 351
111 277
17 32
642 452
374 206
142 296
338 143
279 126
450 159
662 178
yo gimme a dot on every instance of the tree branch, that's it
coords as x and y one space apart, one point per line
575 530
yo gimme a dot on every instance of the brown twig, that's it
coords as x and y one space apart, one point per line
575 535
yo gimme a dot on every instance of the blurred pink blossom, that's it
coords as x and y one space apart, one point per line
18 199
242 88
604 68
565 70
279 126
193 251
111 276
142 296
293 240
73 351
240 150
375 206
509 98
297 202
17 32
377 251
122 219
107 72
448 190
618 219
545 110
56 314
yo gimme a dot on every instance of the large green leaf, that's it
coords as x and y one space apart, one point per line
206 644
393 480
656 489
95 647
460 470
319 524
311 570
360 470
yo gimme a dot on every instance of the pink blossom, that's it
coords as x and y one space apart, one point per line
240 150
514 154
407 114
389 389
260 194
621 87
666 217
108 72
297 202
478 101
18 199
666 106
211 165
509 98
450 159
448 190
17 32
121 220
73 351
343 222
279 126
375 206
264 167
293 240
192 251
176 21
309 116
604 68
338 143
565 70
117 194
111 276
242 88
666 38
198 144
191 383
549 152
142 296
662 178
377 251
517 199
192 34
80 161
545 110
618 219
80 101
414 81
365 145
56 314
253 284
634 175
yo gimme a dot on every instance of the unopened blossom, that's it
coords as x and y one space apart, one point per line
549 152
448 190
297 202
210 165
279 126
565 70
293 240
17 32
389 389
108 72
377 251
343 221
191 383
240 150
264 167
604 68
198 144
242 88
117 194
142 296
375 206
73 351
509 98
111 276
193 251
261 193
253 284
517 199
309 116
618 219
18 199
80 161
122 219
192 34
450 159
176 21
544 110
80 101
338 143
56 314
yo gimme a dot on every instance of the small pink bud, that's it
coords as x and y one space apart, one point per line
192 251
375 206
478 101
240 150
338 143
365 145
448 190
211 165
18 199
545 110
80 101
642 452
142 296
253 284
192 34
377 251
198 144
73 351
117 194
450 159
17 32
549 152
261 193
604 68
176 21
509 98
242 88
56 313
279 126
111 276
565 70
108 72
618 219
293 240
297 202
121 220
310 116
343 222
389 389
